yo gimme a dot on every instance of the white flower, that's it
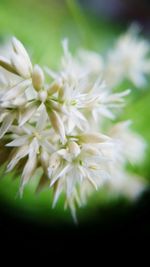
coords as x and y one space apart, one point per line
128 60
91 61
125 146
24 91
123 183
79 161
85 62
70 70
33 142
122 135
104 103
80 97
19 62
16 78
128 147
54 127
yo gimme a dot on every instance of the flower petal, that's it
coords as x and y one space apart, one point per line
58 125
20 141
26 114
19 154
6 123
60 174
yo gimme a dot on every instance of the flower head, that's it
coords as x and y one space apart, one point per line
55 126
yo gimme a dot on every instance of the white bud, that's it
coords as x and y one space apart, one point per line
93 138
57 124
6 64
74 148
37 77
54 88
20 50
42 96
20 66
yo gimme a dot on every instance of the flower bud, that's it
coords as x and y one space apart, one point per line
54 88
37 77
57 124
20 50
42 95
5 63
93 138
74 148
20 66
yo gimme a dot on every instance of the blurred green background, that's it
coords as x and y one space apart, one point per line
41 25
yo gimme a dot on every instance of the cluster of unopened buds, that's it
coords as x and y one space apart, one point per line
56 121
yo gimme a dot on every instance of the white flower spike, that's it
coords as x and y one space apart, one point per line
58 126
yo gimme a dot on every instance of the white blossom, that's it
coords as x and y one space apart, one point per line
122 135
123 183
71 166
57 126
32 142
79 96
128 60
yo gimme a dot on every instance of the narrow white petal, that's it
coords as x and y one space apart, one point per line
47 146
81 124
91 180
26 114
20 141
71 183
42 119
60 174
57 194
79 114
16 90
3 114
58 125
28 128
28 172
30 165
19 154
70 124
73 210
44 158
106 113
119 96
16 130
6 124
34 147
30 93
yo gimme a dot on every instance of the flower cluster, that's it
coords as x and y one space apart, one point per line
128 59
55 120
